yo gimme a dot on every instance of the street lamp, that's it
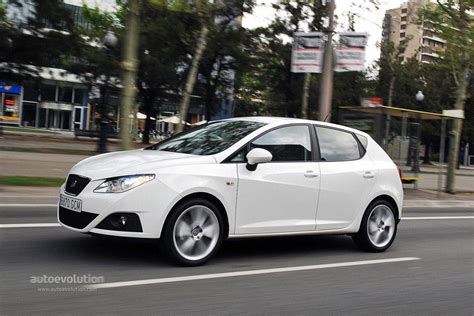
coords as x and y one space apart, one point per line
109 42
419 97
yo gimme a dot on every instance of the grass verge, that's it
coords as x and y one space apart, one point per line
31 181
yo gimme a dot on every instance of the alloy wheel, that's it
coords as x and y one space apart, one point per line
381 225
196 232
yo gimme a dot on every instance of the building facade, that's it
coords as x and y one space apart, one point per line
404 24
54 99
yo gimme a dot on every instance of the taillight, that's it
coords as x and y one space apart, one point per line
399 172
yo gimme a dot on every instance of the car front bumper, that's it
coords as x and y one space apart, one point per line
151 202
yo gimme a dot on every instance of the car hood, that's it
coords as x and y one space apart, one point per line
133 162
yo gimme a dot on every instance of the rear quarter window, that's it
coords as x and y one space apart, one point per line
337 145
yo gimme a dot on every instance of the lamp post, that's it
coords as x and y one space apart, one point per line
109 42
415 150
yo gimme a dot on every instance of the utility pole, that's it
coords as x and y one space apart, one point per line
129 70
325 97
304 103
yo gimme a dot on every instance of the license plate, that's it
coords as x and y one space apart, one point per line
70 203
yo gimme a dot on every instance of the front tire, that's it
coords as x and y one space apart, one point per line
193 233
378 227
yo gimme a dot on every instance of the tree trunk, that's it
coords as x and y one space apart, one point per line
192 75
304 103
129 71
391 87
455 134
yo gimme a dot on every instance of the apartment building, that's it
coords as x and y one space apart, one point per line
404 24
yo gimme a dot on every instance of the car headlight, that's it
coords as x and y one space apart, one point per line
122 184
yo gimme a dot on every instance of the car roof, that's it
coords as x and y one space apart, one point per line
274 120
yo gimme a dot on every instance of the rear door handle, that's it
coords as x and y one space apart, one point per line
369 174
310 174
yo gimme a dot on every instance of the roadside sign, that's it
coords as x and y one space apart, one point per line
306 53
454 113
350 52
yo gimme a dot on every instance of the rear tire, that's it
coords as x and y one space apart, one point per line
378 227
193 233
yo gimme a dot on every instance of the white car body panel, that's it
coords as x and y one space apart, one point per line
275 199
344 192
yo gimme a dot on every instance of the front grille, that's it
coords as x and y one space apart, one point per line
75 184
75 219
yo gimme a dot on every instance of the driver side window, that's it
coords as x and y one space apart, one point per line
286 144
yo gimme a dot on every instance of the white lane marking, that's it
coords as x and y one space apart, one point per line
413 218
28 225
28 205
246 273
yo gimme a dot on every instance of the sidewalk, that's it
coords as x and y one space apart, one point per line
61 142
431 198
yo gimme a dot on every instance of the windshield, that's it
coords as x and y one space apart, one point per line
209 139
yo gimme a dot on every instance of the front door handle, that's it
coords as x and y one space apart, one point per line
369 174
310 174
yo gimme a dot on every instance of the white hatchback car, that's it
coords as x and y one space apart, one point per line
257 176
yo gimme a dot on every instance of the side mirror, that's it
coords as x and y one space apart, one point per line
256 156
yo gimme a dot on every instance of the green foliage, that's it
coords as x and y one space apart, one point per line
267 86
31 181
3 12
453 22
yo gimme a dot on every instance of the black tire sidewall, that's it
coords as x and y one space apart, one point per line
362 237
168 238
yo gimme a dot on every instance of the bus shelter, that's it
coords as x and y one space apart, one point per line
401 143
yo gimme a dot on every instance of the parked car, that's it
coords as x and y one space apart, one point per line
241 177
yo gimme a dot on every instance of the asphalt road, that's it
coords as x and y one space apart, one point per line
436 278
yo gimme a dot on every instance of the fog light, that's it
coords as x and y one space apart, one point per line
121 221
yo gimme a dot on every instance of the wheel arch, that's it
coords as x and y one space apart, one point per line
391 200
206 196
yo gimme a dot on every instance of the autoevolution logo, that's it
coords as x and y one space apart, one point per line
67 279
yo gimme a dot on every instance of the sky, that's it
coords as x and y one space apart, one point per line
102 4
368 19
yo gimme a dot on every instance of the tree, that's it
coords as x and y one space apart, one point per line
268 86
391 66
165 42
223 56
453 22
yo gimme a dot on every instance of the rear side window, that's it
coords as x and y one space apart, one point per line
337 145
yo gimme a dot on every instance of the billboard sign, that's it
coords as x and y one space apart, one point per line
350 52
10 89
306 54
